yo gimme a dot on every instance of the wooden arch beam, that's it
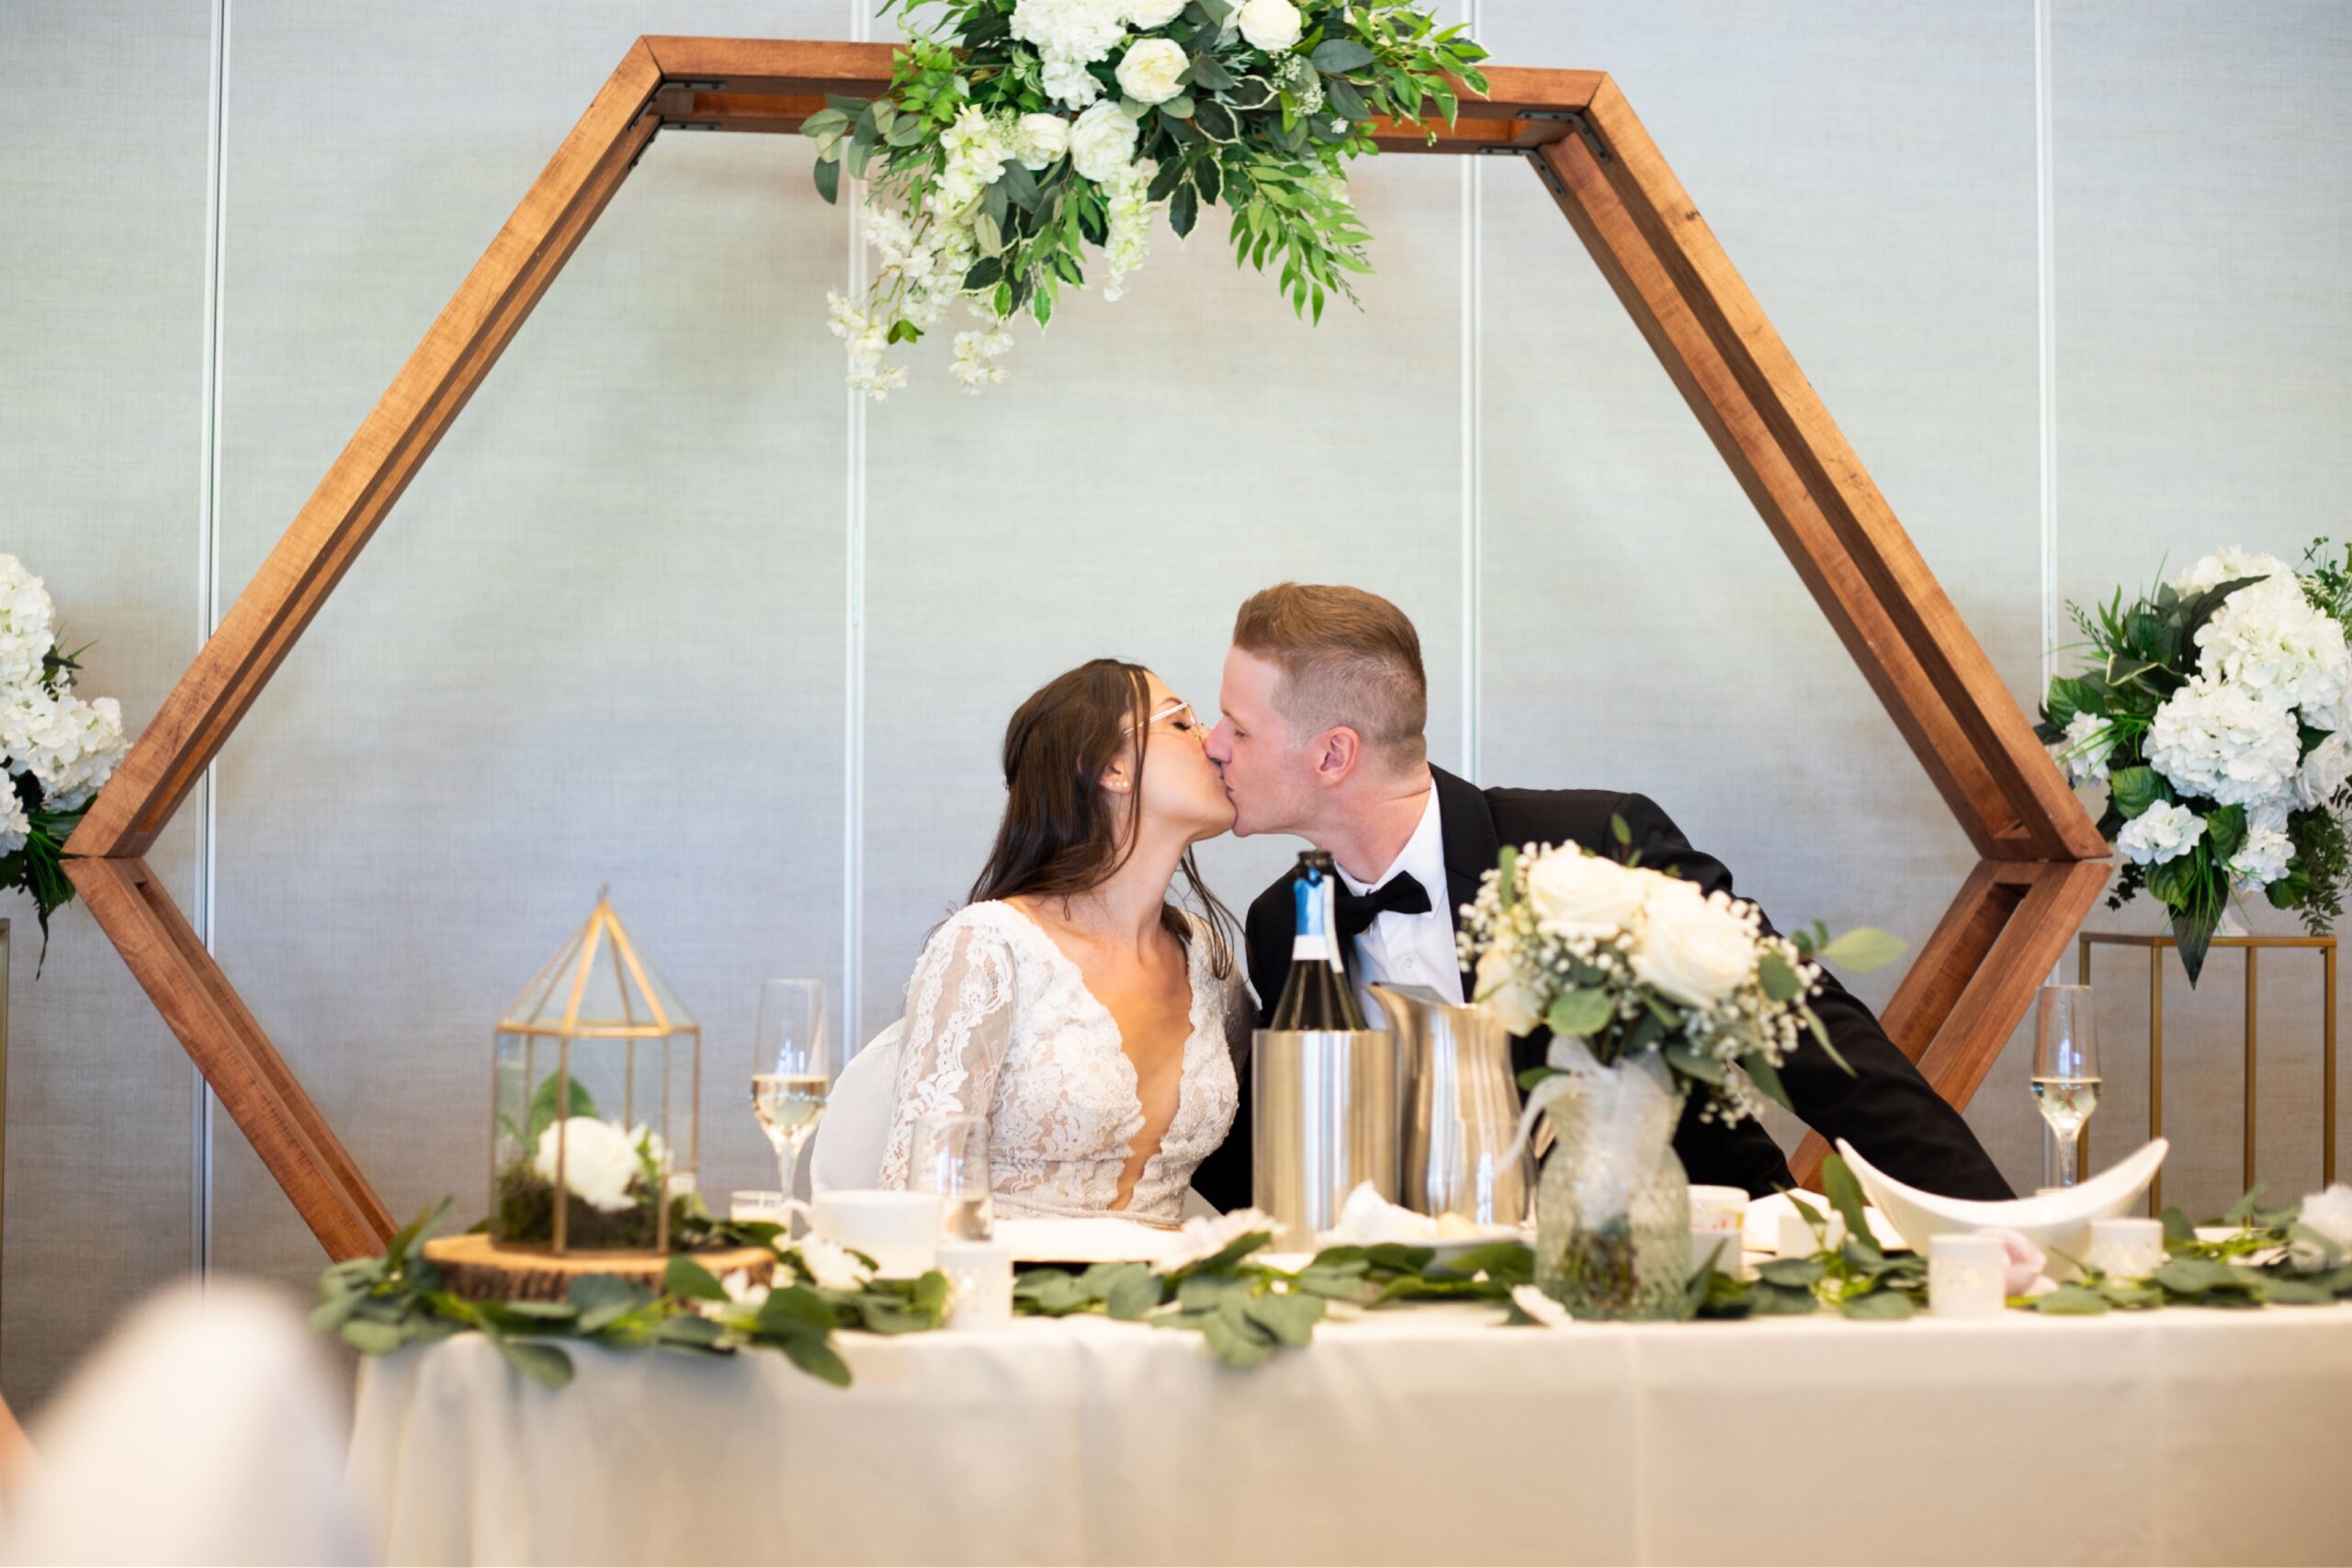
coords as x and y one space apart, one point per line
1964 993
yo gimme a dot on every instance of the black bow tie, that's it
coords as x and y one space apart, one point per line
1401 893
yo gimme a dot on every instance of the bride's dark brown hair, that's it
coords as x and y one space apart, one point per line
1060 836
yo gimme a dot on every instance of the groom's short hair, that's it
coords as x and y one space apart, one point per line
1347 658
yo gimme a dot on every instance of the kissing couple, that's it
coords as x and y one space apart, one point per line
1098 1016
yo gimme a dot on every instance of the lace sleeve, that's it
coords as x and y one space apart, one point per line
958 1024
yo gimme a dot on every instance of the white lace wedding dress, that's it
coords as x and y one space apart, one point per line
999 1023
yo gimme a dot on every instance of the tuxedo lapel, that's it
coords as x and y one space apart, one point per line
1466 831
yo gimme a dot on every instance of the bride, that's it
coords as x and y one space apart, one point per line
1095 1024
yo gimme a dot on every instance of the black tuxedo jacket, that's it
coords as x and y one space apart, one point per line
1885 1107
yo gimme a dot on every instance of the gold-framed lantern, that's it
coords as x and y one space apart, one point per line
596 1089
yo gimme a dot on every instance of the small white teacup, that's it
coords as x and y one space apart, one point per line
1718 1222
898 1230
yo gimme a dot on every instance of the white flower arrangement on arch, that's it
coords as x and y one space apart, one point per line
2215 712
1019 136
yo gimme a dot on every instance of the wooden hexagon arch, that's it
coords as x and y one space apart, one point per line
1955 1008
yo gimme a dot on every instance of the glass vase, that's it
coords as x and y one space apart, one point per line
1612 1211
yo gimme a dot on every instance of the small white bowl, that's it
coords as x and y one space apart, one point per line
2057 1221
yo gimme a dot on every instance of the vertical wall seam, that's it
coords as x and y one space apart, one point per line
1473 374
2046 291
207 596
854 652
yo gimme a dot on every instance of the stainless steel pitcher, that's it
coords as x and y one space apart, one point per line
1324 1117
1459 1105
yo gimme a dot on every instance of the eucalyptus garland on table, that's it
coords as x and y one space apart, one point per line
1017 135
379 1304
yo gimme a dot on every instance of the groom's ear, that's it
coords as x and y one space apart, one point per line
1336 751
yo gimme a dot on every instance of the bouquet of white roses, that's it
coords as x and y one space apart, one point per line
57 749
2215 715
1017 134
1621 962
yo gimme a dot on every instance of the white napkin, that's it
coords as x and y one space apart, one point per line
1367 1219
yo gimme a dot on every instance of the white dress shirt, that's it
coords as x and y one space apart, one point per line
1410 950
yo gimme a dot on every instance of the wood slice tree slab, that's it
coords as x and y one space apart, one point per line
480 1270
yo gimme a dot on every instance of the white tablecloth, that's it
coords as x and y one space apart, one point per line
1420 1435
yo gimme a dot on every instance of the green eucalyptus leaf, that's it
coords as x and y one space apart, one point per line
1580 1013
547 1365
1340 54
1863 949
1883 1307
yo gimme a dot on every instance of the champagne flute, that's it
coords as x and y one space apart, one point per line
791 1069
2065 1077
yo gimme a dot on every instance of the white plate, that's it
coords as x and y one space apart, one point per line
1106 1240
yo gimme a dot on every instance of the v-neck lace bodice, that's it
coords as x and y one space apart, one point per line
999 1023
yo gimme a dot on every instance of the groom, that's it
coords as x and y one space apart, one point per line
1324 702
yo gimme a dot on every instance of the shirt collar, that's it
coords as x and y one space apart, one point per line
1423 856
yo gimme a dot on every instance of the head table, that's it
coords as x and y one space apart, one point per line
1426 1433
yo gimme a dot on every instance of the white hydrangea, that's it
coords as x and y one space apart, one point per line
829 1266
2086 748
2163 833
2261 860
2324 770
1154 12
2227 565
2270 639
27 624
70 745
2329 1213
16 827
2225 741
1071 35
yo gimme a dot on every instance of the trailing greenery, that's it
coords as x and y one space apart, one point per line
380 1305
1246 1309
1023 141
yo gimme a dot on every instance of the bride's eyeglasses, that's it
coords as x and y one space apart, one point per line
1178 711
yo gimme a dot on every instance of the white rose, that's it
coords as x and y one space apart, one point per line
830 1267
2330 1213
600 1160
1103 142
1272 25
2324 770
1039 139
1582 894
2162 832
1693 949
1153 13
1499 988
1148 72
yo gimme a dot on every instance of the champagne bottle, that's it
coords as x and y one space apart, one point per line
1317 996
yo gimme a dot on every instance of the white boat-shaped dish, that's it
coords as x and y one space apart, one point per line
2058 1222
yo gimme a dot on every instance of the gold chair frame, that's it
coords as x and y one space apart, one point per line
1973 980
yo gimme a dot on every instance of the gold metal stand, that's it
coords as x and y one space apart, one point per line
2253 946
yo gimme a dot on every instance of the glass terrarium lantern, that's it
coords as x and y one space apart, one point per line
596 1081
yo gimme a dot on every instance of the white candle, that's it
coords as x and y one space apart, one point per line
1965 1275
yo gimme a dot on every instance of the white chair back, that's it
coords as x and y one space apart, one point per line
846 1153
